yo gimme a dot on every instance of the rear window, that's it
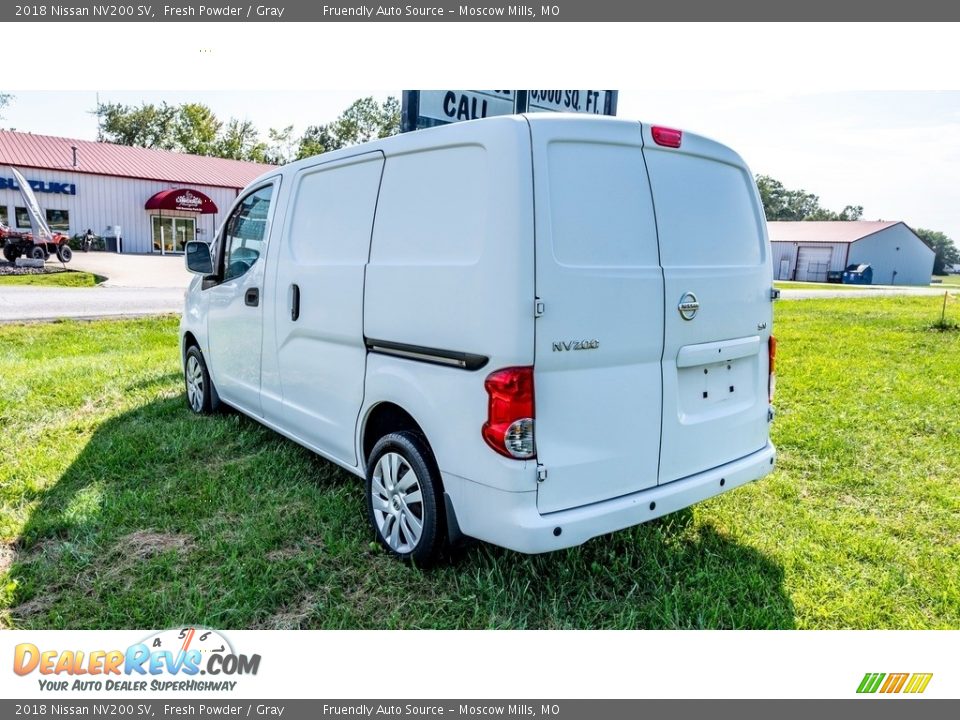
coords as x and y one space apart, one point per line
706 213
600 212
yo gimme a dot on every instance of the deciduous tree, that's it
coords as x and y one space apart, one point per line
781 203
946 252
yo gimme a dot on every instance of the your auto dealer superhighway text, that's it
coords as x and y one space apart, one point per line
270 11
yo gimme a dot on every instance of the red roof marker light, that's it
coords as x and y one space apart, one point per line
668 137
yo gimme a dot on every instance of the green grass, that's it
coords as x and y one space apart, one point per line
68 278
118 508
795 285
951 281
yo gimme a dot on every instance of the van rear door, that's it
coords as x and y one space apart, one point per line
717 292
599 339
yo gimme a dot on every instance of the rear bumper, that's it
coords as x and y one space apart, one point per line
511 519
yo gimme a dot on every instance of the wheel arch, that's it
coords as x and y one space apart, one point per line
383 418
189 340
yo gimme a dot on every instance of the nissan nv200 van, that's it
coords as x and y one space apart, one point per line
530 330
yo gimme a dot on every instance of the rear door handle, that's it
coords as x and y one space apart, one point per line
252 297
295 305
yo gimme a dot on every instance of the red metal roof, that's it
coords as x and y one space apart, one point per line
828 231
25 150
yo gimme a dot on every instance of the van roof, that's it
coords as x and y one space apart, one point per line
476 130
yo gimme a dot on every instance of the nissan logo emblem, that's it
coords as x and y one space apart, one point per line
689 305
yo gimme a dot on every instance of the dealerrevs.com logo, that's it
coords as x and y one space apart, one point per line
182 660
891 683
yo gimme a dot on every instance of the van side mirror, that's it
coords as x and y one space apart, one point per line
198 258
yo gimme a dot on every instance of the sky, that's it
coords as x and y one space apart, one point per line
895 153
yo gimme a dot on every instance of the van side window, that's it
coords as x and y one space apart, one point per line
245 233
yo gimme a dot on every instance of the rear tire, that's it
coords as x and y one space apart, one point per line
11 253
65 253
405 498
38 253
202 397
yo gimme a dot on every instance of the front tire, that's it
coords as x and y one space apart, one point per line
65 253
38 253
405 498
201 396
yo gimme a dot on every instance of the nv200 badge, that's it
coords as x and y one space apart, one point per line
564 345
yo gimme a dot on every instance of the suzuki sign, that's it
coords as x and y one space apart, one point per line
57 188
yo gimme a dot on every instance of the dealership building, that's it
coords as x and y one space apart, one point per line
808 250
141 200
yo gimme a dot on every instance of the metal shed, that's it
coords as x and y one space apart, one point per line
808 250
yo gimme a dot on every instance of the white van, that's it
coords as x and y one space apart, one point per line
530 330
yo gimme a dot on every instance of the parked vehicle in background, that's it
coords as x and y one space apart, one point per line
17 244
41 242
86 241
529 330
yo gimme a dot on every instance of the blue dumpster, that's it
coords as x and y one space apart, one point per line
858 275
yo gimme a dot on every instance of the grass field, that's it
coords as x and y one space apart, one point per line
949 283
795 285
68 278
118 508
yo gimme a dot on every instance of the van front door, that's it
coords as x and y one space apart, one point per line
600 335
235 314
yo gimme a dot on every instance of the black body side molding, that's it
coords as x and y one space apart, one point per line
435 356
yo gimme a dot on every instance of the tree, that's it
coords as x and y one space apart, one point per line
780 203
946 251
849 213
149 126
241 141
365 119
5 99
281 146
316 140
191 128
196 129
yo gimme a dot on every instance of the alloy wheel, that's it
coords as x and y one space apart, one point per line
397 502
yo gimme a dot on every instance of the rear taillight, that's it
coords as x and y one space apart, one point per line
509 425
668 137
772 377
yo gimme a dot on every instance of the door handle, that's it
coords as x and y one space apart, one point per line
295 305
252 297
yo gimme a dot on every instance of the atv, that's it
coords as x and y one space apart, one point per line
21 244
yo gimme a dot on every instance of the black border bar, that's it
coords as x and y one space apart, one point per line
483 11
